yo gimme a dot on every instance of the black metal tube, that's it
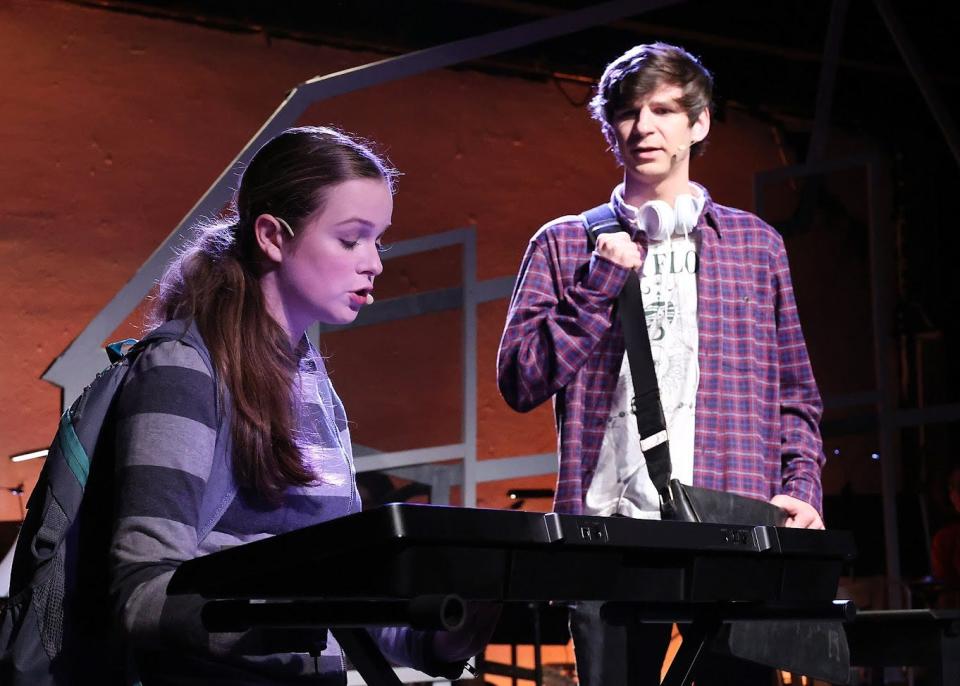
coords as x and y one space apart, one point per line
619 613
436 612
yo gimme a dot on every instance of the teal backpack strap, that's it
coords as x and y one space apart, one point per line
117 349
76 457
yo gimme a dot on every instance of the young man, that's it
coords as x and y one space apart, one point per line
736 385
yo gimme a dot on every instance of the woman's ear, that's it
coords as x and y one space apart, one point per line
270 236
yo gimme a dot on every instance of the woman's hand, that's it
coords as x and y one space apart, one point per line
470 639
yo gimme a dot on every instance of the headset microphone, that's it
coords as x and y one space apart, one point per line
678 152
369 299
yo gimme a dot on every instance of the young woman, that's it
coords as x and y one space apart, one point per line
243 385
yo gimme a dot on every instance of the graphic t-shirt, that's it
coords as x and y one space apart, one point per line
621 484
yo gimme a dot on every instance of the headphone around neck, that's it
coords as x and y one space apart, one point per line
658 219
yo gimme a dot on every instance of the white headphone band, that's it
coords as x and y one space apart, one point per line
658 219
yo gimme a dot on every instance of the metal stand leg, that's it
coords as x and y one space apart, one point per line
948 667
694 642
366 657
537 658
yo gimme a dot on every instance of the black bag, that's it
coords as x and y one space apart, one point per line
692 504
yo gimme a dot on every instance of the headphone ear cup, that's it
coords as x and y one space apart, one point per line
686 211
657 219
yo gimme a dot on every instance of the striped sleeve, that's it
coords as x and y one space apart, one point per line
165 438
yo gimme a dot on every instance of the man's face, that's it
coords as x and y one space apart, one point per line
653 135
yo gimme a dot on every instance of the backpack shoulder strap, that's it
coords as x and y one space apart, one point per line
599 220
175 330
651 423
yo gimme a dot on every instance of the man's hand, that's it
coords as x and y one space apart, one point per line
801 515
620 249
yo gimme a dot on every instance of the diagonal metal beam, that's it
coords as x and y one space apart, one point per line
84 355
911 57
828 78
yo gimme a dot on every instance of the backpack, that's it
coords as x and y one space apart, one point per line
56 626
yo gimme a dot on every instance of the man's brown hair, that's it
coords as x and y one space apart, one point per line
641 70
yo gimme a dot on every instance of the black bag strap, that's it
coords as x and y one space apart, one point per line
651 423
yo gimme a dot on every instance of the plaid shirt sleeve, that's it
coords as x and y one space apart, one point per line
561 307
800 404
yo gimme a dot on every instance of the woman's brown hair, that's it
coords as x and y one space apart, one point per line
215 283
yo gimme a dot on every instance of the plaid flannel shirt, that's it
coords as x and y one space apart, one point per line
758 407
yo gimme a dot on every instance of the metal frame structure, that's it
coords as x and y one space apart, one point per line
883 397
890 417
410 463
84 356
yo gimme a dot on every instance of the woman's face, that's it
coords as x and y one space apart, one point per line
326 273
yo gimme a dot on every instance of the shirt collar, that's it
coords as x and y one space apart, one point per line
309 359
708 217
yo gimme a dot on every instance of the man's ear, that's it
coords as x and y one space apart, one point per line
270 236
701 127
610 135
